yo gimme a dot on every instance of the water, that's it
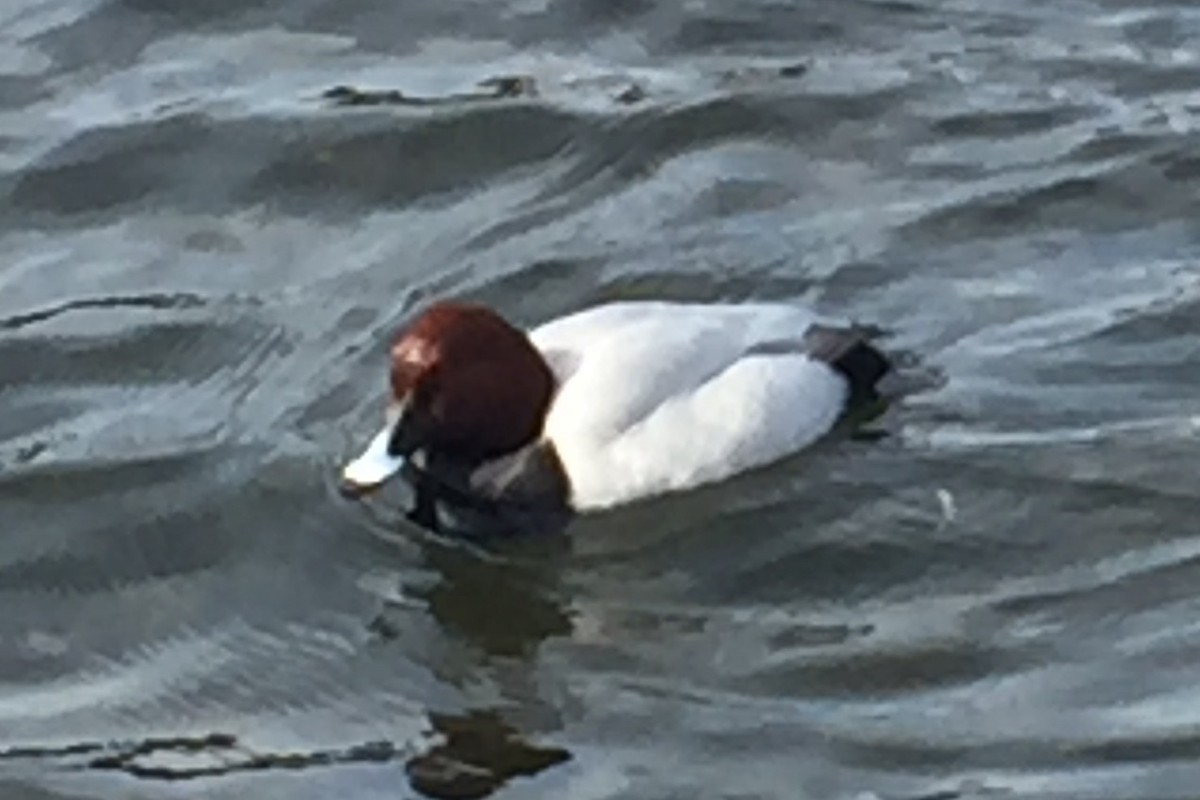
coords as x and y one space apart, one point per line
203 256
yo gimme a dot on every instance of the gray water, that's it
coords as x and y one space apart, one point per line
995 595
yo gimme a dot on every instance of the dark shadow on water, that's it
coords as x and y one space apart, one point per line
473 755
153 301
213 755
498 88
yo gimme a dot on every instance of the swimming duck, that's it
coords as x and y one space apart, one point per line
607 405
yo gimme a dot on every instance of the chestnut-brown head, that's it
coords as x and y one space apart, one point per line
466 385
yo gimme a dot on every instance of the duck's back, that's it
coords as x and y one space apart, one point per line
656 397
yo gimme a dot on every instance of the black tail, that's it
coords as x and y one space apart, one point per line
850 352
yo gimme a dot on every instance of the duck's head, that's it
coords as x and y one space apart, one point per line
465 385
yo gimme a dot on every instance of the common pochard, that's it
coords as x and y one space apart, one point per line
607 405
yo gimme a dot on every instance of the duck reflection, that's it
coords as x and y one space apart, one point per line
478 753
502 603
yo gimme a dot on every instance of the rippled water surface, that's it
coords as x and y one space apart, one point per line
203 255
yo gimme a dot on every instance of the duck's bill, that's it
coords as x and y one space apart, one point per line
373 468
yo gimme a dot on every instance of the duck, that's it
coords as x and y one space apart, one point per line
608 405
